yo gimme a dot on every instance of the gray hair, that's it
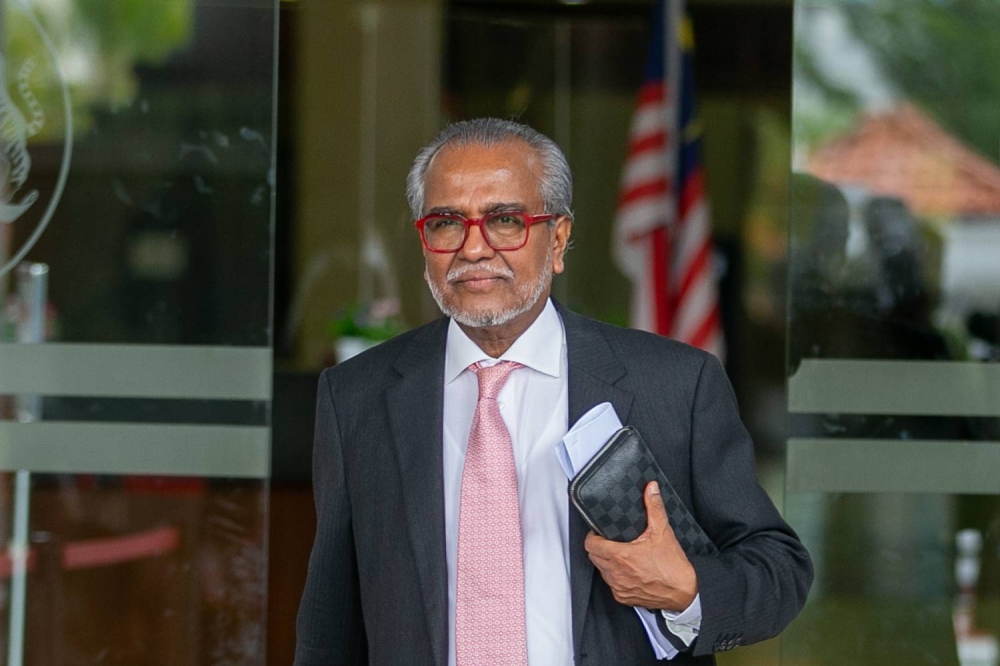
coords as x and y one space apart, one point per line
556 187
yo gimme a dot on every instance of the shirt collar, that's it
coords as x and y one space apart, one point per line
539 348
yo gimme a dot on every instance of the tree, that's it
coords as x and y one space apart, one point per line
941 54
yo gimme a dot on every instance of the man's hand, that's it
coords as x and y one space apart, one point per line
652 571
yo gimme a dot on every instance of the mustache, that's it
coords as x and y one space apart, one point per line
459 271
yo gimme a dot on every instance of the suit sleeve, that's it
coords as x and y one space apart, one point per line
759 581
330 629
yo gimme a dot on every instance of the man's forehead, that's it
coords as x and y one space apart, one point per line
475 179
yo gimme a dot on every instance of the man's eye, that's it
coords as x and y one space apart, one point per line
441 223
506 221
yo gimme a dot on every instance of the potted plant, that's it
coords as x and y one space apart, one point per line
359 326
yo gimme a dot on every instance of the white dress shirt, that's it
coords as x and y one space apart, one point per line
534 405
535 408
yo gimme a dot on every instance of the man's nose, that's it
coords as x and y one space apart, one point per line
476 247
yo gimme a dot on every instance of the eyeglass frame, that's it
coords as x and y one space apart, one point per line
468 222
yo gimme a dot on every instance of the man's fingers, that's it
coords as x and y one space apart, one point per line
656 513
602 549
597 545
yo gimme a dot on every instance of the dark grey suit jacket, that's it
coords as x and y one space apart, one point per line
377 585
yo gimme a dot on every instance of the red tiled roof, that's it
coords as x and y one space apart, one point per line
903 153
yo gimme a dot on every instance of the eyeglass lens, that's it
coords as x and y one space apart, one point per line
502 230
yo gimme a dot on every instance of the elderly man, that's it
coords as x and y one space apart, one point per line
445 535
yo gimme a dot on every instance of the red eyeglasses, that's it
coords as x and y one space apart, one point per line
503 231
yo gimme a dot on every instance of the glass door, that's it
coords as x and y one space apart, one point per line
136 208
893 469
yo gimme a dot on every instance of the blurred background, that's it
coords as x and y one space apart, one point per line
202 206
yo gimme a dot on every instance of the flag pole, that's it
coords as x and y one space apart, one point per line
673 17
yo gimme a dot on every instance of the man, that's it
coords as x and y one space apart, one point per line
445 534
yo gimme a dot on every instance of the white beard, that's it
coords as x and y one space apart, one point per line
528 296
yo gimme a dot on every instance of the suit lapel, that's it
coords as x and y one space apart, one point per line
415 405
593 371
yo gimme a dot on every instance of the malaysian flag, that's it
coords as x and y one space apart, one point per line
663 232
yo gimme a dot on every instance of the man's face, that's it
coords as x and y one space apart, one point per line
479 286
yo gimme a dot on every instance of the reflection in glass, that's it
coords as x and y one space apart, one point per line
143 571
136 167
894 234
165 216
880 117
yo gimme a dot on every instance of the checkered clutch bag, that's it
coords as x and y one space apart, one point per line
608 493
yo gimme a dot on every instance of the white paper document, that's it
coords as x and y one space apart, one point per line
586 438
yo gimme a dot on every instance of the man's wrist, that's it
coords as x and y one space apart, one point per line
686 591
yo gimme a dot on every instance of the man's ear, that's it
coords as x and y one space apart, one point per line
560 241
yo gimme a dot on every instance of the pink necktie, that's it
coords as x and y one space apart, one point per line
489 605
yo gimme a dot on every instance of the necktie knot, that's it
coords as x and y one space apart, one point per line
493 377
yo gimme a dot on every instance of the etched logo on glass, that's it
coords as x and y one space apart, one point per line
15 161
33 93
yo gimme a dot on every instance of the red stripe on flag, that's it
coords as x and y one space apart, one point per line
697 266
662 310
706 330
692 191
647 189
652 92
653 141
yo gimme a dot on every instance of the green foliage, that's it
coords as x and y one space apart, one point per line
141 30
941 54
377 321
835 116
129 32
813 126
98 44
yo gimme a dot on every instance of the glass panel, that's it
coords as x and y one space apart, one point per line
136 188
893 331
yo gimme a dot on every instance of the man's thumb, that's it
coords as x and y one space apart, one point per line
656 513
